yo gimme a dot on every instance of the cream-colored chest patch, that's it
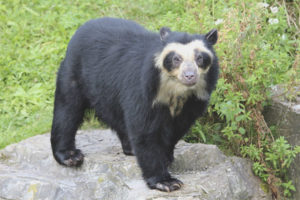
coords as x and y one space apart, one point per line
176 104
174 94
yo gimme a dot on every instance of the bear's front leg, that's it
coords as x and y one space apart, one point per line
153 158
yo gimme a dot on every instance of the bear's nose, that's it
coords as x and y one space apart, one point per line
189 75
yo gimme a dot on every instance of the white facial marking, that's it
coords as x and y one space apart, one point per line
185 50
172 91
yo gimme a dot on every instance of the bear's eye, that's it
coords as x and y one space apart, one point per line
199 60
177 60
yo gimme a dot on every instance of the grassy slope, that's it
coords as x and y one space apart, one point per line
34 35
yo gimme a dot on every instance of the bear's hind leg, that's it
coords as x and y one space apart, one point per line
126 146
68 115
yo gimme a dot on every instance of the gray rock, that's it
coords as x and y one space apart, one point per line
285 115
28 171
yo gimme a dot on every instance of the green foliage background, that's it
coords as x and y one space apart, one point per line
254 55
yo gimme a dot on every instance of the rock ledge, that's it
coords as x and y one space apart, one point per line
28 171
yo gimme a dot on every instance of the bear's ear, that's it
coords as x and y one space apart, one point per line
212 36
164 32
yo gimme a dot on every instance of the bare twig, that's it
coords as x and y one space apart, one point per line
287 14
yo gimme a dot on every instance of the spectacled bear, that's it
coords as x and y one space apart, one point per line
149 87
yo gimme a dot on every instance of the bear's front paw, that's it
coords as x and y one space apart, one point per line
128 152
69 158
167 185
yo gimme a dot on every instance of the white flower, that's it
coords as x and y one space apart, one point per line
283 37
262 5
219 21
274 9
273 21
265 46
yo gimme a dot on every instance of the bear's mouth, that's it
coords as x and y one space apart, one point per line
189 84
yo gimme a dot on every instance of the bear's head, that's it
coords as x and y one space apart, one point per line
183 62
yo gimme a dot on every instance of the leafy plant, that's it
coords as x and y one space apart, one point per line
287 188
261 52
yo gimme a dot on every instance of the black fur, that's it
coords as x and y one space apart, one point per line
168 61
205 60
109 67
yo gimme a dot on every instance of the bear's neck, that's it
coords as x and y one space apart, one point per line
175 94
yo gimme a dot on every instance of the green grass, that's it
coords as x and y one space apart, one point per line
34 36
